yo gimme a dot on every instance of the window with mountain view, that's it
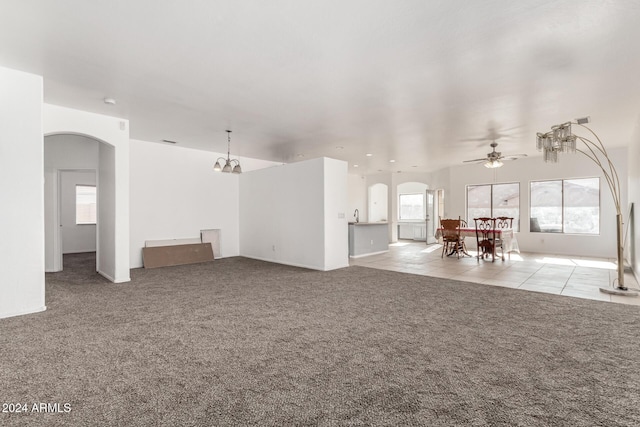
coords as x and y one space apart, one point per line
494 200
566 206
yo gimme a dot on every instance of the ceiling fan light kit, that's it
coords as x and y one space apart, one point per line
494 158
228 168
491 164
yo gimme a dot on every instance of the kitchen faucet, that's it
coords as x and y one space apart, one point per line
356 214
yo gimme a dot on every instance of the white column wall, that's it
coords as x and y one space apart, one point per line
21 194
106 263
283 216
336 231
114 132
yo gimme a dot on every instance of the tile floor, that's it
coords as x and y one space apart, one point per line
556 274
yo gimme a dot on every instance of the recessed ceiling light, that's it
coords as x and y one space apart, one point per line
355 166
300 155
369 154
339 147
109 101
392 161
414 166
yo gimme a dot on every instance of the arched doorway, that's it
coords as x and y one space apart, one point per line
73 166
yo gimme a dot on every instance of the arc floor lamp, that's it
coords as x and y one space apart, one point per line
561 139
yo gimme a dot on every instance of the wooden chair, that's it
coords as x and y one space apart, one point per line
451 239
486 238
502 222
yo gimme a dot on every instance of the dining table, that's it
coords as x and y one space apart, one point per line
507 235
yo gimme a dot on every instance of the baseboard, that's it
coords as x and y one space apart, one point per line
309 267
22 313
369 254
106 276
111 279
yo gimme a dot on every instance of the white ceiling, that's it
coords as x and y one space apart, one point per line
413 81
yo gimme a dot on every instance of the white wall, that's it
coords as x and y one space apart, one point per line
533 168
175 193
76 238
336 231
21 193
107 213
379 203
634 197
357 197
115 133
441 180
283 217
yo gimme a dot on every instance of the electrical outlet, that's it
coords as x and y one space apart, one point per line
372 241
340 215
273 248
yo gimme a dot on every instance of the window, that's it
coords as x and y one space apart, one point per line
566 206
85 204
411 207
494 200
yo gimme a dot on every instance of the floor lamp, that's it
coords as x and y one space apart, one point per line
560 139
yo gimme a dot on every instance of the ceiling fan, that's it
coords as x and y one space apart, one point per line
494 158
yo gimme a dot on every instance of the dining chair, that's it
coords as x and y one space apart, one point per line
502 222
486 238
451 239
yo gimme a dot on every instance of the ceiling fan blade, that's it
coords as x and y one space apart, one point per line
476 160
503 136
511 128
474 140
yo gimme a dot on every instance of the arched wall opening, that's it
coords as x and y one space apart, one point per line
72 161
111 136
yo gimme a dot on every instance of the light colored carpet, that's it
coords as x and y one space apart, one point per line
244 342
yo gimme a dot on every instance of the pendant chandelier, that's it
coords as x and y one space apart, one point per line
228 161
